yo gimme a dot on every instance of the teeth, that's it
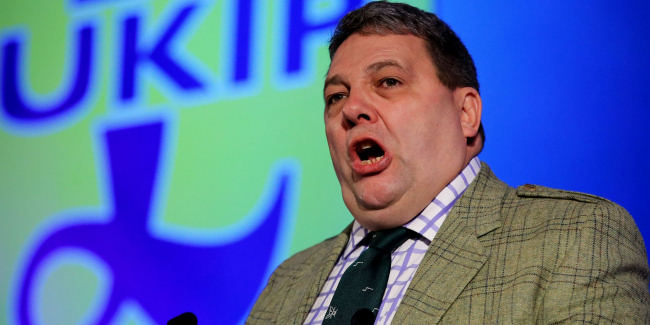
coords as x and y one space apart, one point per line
372 160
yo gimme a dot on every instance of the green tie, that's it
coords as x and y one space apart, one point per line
361 289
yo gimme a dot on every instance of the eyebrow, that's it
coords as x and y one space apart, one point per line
336 79
381 64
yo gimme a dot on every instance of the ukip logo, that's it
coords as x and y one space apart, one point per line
163 270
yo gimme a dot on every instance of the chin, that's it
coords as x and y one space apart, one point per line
375 197
374 211
378 220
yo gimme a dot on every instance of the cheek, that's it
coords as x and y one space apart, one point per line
332 139
433 138
336 147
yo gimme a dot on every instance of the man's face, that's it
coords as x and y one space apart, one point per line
395 133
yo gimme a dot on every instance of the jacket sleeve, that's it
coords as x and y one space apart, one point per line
603 277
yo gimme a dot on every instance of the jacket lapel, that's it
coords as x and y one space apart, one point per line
455 254
317 269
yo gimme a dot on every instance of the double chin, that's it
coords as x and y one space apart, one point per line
377 206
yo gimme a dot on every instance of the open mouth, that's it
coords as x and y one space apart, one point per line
369 152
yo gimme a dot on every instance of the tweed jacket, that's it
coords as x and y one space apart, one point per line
503 256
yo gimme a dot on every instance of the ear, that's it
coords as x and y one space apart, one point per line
470 106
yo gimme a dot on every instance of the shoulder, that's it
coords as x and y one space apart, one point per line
569 205
543 192
576 221
311 255
309 264
593 256
294 284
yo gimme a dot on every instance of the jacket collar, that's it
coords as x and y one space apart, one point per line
456 254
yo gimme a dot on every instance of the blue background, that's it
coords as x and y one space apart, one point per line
565 93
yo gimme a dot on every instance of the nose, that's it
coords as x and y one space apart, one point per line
358 110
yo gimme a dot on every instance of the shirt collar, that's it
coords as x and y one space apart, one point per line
430 219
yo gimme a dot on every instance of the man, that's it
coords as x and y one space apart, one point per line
403 124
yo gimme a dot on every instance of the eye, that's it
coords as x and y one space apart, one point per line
334 98
389 82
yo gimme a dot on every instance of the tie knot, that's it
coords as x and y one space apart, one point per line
389 239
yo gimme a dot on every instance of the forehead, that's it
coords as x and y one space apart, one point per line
359 52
